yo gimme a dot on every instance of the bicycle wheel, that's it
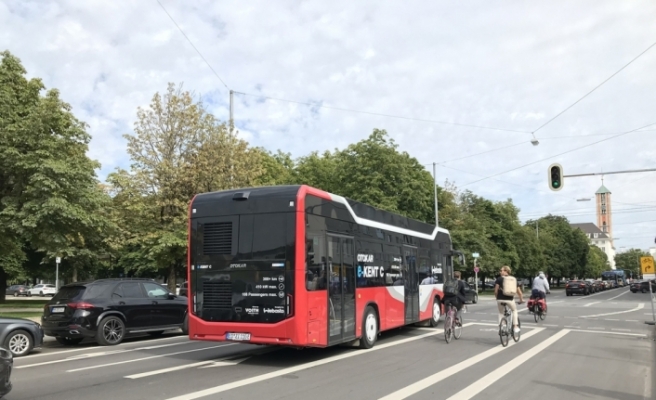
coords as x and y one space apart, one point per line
517 335
448 328
542 315
536 315
457 330
503 332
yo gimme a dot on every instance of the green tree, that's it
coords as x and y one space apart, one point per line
177 150
630 260
597 262
49 197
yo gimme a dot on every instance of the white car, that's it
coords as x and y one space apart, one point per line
42 290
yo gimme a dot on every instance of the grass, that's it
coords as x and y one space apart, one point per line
23 303
20 314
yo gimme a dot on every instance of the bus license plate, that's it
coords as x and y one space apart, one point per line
238 336
57 310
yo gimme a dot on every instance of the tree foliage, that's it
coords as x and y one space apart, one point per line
630 260
50 199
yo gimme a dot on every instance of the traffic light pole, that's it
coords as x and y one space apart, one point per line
628 171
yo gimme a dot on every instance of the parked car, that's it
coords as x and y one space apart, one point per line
470 293
42 290
20 336
184 289
16 290
643 286
577 287
6 366
109 309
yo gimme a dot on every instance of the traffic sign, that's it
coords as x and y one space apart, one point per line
647 265
475 255
476 269
58 260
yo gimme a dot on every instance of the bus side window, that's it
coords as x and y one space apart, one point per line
315 264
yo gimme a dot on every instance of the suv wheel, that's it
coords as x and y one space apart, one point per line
66 341
19 342
111 331
185 325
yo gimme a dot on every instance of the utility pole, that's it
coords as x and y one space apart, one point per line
435 190
57 261
232 125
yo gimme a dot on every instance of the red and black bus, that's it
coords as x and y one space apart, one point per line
297 266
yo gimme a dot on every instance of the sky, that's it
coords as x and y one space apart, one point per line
434 74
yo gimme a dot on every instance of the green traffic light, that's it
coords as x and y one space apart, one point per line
556 184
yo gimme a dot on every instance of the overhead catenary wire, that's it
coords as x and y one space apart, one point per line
595 88
557 155
192 44
343 109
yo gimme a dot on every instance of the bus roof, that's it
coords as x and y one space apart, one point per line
277 199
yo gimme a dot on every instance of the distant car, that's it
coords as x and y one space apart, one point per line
20 336
42 290
470 293
109 309
643 286
16 290
6 366
577 287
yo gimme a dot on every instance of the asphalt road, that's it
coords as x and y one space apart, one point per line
593 347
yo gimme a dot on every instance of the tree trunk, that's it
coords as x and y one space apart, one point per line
75 273
3 284
172 278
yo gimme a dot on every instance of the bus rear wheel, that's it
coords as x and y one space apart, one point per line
437 312
369 328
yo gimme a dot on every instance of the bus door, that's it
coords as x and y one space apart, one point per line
411 289
341 289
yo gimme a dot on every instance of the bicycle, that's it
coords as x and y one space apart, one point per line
506 321
536 310
451 327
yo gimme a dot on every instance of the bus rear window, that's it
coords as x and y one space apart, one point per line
264 236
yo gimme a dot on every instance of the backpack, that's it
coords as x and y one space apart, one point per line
509 286
451 287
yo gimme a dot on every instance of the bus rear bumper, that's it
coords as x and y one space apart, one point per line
247 333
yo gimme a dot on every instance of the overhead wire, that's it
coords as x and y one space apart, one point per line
332 107
559 154
192 44
595 88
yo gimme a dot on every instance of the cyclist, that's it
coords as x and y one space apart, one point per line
454 294
505 289
540 289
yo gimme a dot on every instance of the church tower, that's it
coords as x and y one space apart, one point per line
604 211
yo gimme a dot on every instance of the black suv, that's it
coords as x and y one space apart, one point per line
109 309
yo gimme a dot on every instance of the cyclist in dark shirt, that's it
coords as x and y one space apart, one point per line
457 300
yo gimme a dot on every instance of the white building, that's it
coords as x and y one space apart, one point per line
599 239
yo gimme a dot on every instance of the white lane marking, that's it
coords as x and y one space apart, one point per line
631 320
54 353
571 326
621 330
611 319
594 302
551 325
289 370
98 354
597 328
609 332
444 374
494 376
640 307
148 358
211 363
613 298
